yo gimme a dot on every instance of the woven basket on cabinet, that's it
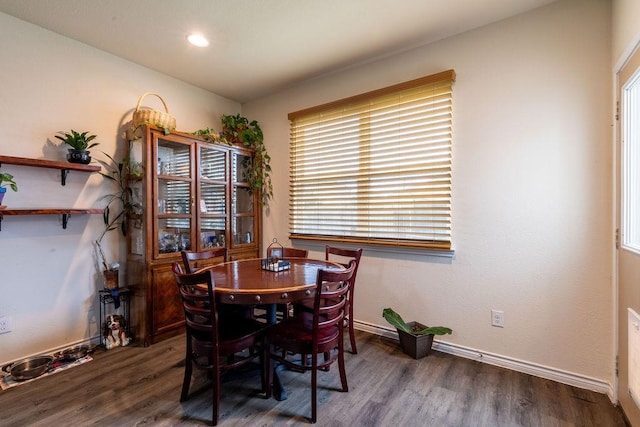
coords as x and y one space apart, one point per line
161 119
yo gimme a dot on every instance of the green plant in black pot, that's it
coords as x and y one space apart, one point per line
415 338
6 179
239 130
80 144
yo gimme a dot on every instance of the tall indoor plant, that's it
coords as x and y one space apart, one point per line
118 204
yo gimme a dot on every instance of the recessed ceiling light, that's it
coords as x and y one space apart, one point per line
198 40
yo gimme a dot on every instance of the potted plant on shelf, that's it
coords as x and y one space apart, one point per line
239 130
416 339
118 205
80 144
6 179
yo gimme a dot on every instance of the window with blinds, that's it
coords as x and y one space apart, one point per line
375 168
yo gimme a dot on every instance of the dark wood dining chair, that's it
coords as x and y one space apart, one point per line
280 311
215 344
284 252
344 256
195 260
319 334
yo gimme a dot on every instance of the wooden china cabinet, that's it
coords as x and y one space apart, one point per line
193 197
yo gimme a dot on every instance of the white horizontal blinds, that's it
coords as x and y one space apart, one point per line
376 167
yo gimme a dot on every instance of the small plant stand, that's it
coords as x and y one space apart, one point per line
106 300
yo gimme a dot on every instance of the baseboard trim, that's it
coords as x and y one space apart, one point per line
523 366
91 342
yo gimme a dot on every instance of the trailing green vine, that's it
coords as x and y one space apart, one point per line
239 130
211 135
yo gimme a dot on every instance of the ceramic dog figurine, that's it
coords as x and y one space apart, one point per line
114 332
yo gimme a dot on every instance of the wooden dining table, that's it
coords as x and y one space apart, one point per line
245 282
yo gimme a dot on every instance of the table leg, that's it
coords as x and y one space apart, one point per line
271 314
278 390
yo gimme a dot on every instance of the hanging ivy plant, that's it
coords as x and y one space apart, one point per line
239 130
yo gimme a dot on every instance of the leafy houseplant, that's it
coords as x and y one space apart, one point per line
239 130
118 205
80 145
211 135
6 179
415 338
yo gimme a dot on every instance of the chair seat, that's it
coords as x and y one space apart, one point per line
232 330
296 334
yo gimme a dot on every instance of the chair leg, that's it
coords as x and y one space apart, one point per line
263 372
352 332
188 369
216 394
269 371
314 390
343 372
352 337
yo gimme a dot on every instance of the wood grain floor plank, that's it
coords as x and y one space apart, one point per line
136 386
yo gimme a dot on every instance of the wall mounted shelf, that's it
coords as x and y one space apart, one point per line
64 168
66 213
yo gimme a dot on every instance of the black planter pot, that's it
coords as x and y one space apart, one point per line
416 346
78 156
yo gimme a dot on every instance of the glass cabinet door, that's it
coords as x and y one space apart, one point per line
173 196
242 199
212 194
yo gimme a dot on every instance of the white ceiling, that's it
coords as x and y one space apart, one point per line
259 46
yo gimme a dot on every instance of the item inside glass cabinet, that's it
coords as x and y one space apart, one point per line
174 242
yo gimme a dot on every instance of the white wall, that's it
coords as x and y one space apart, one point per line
48 284
531 189
626 27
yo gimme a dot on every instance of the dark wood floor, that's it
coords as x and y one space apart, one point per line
136 386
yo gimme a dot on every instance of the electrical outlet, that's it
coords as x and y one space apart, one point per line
497 318
5 325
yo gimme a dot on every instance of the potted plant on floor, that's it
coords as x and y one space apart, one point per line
416 339
80 144
6 179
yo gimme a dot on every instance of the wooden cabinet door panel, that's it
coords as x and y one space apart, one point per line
167 308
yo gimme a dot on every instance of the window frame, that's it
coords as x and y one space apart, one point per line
443 82
631 164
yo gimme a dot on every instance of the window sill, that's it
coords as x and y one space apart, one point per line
437 255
